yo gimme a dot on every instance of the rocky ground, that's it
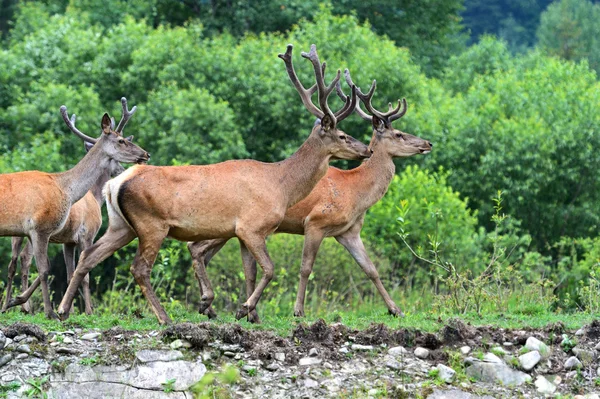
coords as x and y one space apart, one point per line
316 361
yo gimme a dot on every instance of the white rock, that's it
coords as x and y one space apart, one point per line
310 383
272 366
313 352
90 336
534 344
465 350
491 358
280 357
343 349
572 363
597 347
357 347
446 374
397 351
67 340
309 361
544 386
147 356
580 332
529 360
421 353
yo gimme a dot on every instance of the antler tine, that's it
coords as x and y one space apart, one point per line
71 124
112 123
394 114
350 106
323 90
305 95
127 114
360 94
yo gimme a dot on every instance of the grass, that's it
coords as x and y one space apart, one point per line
284 324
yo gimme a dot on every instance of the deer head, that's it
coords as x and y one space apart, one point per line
111 142
396 142
339 144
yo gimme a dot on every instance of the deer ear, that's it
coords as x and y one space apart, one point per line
327 123
378 124
88 146
106 123
130 139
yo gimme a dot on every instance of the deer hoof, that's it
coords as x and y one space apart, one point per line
51 315
298 313
242 312
210 312
396 312
253 317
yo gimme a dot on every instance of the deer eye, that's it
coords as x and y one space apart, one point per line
121 141
342 137
399 135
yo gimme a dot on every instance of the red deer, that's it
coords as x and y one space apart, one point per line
335 208
239 198
36 204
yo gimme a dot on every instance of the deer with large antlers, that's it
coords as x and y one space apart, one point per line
82 225
335 208
239 198
37 204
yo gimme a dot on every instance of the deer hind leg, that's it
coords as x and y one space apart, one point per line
141 268
115 237
69 255
202 252
255 243
353 243
12 269
87 294
312 243
26 259
40 252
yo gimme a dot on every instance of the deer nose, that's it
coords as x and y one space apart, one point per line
430 144
148 155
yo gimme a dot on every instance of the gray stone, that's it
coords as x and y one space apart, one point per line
101 390
309 361
2 340
249 368
229 354
313 352
67 340
465 350
344 350
22 356
180 343
272 366
491 358
397 351
580 332
357 347
455 394
534 344
497 372
310 383
19 338
421 353
393 364
280 357
597 347
544 386
572 363
5 359
67 351
446 374
90 336
586 356
24 349
529 360
147 356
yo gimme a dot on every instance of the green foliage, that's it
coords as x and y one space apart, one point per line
216 384
569 29
169 385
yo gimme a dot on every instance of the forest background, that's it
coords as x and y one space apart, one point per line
503 213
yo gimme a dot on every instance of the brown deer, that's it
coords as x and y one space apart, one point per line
335 208
37 204
239 198
83 223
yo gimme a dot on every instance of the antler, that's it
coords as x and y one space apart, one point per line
322 90
71 124
126 115
359 93
387 117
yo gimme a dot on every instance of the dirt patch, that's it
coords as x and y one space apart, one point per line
114 334
24 328
593 330
457 331
199 335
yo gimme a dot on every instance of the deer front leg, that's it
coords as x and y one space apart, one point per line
87 294
69 255
312 243
12 269
250 275
112 240
26 259
258 248
353 243
40 252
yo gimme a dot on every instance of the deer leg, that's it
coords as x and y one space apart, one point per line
87 294
141 268
26 259
353 243
69 255
12 268
202 252
250 275
40 252
112 240
257 246
312 242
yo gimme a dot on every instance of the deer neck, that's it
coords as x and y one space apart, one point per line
375 175
301 172
82 177
98 186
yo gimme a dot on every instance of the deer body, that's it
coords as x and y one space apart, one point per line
244 198
36 204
